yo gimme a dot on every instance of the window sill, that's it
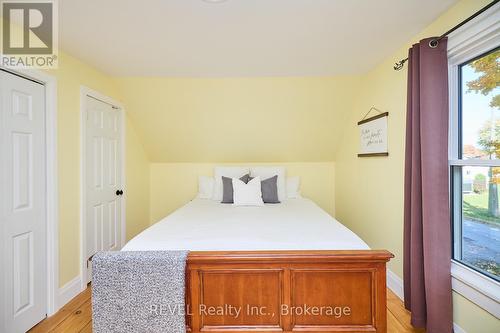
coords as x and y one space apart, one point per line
477 288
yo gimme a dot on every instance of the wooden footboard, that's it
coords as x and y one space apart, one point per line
287 291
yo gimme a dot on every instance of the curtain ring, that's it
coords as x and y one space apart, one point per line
433 43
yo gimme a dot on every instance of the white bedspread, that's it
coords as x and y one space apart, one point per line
206 225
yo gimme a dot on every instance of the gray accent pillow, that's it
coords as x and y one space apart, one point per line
269 188
227 188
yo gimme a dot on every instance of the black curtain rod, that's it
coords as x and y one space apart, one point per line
434 42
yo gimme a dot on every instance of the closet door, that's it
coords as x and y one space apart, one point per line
23 205
103 187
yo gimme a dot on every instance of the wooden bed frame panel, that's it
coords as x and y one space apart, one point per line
279 290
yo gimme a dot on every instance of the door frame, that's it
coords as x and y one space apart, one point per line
84 92
51 178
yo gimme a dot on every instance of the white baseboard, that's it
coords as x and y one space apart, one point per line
458 329
395 283
69 291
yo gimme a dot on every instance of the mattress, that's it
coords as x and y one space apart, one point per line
207 225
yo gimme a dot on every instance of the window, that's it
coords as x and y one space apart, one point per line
474 158
476 172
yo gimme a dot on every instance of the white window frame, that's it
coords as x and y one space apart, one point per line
473 39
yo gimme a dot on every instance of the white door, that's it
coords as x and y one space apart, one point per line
103 178
23 238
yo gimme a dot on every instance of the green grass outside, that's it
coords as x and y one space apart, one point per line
475 206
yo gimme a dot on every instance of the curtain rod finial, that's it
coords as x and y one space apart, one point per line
400 64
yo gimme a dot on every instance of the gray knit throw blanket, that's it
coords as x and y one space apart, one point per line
139 291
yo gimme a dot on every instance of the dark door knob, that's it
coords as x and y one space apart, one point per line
119 192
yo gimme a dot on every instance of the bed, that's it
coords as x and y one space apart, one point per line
289 267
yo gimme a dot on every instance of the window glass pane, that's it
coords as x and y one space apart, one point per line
479 235
480 107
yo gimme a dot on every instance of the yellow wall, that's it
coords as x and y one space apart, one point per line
174 184
285 119
187 124
137 183
70 75
472 318
200 121
325 100
369 191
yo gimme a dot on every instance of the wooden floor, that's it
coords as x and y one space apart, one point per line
76 316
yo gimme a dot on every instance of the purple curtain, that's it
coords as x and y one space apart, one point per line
427 229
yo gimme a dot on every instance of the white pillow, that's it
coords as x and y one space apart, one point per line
230 172
293 187
271 171
205 187
249 194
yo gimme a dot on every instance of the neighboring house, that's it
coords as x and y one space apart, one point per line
469 151
469 173
468 176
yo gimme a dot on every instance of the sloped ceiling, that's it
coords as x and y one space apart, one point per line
240 37
239 120
242 80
